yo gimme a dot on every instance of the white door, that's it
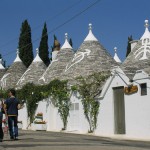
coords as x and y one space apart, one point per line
74 115
119 110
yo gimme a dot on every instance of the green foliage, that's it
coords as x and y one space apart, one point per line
32 95
60 93
3 94
25 44
56 89
3 61
70 42
74 88
43 48
89 88
52 47
129 45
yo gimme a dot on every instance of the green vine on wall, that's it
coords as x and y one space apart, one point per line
61 94
32 95
56 89
89 88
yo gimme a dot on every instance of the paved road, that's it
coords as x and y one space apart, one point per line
40 140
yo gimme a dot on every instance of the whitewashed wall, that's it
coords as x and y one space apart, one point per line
137 109
43 107
106 111
22 116
50 115
54 123
76 120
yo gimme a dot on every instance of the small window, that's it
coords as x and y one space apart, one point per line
72 107
143 89
76 106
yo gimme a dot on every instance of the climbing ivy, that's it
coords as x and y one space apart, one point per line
89 88
60 93
56 89
32 95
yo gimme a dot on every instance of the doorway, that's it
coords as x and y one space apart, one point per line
119 110
74 113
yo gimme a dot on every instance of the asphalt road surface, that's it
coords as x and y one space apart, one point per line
42 140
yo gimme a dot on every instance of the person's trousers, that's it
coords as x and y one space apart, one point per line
13 127
1 129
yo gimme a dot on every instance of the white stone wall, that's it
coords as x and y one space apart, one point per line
55 122
22 116
137 110
76 120
106 112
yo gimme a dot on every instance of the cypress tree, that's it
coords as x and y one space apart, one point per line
70 42
43 48
3 61
52 47
129 45
25 44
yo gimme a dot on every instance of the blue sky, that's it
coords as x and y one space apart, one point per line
112 21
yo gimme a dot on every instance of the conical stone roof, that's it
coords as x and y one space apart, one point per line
33 73
91 57
13 74
139 57
55 69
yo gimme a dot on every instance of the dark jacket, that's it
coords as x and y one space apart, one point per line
12 106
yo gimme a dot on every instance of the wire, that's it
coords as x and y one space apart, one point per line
61 25
50 19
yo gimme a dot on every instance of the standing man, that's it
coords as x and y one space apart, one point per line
12 105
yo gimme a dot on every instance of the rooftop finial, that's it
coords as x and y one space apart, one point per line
146 24
37 51
66 44
37 58
146 34
17 57
90 26
66 36
116 58
115 49
90 36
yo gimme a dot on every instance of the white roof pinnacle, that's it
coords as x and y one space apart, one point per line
146 33
90 36
116 58
66 44
1 66
17 57
37 58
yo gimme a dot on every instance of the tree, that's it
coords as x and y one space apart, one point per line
3 61
53 47
25 44
70 42
56 45
129 45
43 48
89 89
